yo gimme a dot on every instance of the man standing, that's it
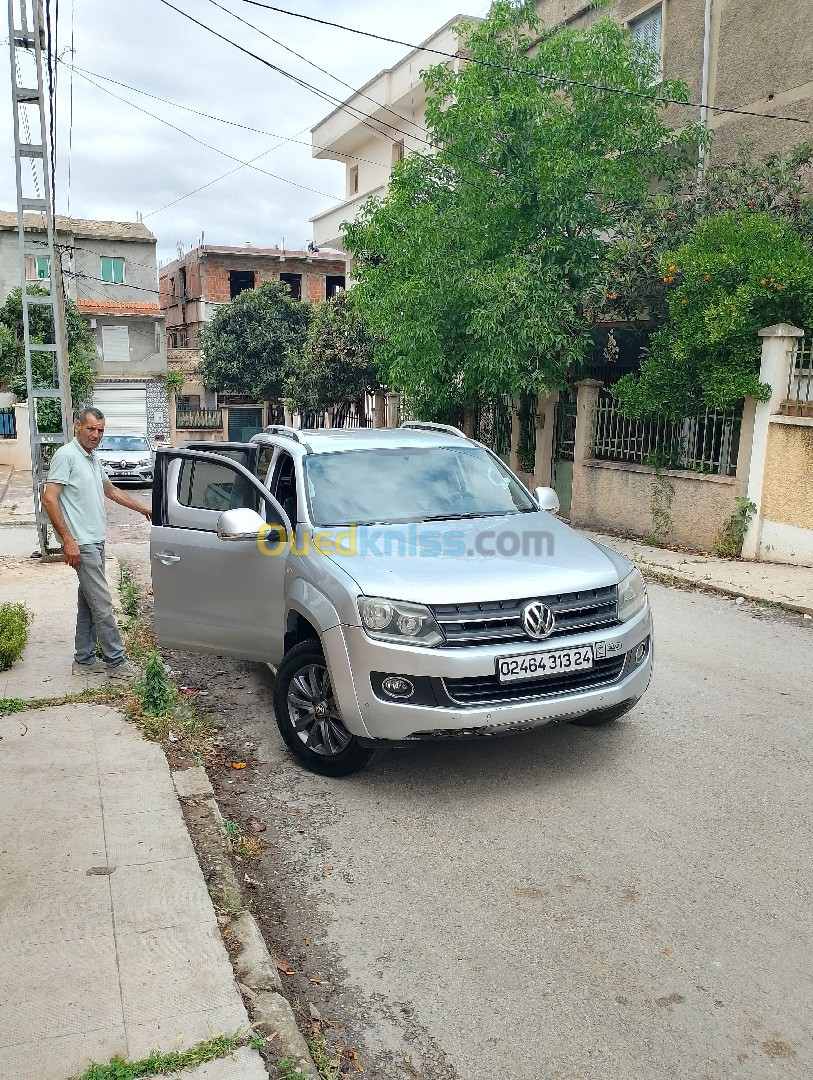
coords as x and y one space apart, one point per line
74 501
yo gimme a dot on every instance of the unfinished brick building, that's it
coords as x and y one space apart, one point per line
191 289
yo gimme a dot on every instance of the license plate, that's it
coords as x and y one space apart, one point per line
538 665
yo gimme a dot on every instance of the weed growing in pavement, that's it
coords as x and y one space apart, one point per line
728 542
158 695
128 592
157 1064
240 844
96 695
15 620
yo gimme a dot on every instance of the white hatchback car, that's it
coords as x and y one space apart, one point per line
127 459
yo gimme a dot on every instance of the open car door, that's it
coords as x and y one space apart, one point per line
216 589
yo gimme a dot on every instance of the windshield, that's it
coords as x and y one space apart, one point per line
433 483
125 442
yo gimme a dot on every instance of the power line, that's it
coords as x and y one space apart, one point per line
528 74
222 120
332 100
208 146
313 64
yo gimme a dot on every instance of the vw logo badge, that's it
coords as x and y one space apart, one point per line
537 620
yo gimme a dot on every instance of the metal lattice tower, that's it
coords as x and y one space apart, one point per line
45 381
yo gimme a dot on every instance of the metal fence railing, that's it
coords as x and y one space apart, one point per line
800 377
493 425
706 443
526 447
8 423
199 419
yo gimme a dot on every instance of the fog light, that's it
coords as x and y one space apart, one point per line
397 687
640 652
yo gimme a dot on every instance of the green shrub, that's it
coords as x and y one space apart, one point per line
15 620
158 695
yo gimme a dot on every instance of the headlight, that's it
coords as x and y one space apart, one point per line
631 595
396 620
144 462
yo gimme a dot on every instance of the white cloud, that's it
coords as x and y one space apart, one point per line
124 162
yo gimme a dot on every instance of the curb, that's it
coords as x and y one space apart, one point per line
254 968
720 589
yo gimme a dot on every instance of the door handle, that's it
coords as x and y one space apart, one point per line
166 557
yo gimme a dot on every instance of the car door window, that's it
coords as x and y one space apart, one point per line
198 491
206 486
283 485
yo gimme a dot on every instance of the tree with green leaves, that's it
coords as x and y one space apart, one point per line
739 272
337 362
81 352
471 271
252 342
633 287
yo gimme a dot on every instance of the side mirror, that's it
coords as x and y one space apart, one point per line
239 524
547 499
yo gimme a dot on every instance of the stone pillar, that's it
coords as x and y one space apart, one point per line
779 345
513 459
586 400
379 407
172 406
543 463
288 416
328 415
393 401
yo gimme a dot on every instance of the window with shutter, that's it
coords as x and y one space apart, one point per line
112 270
115 344
647 32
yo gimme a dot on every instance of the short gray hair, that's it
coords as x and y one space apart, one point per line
97 414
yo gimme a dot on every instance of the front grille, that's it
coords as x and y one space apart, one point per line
488 690
495 622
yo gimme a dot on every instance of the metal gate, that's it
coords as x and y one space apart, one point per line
564 443
244 422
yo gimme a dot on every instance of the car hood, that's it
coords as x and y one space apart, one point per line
112 457
454 561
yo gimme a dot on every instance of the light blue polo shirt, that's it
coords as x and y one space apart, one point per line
82 497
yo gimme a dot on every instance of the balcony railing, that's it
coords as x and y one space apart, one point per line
199 419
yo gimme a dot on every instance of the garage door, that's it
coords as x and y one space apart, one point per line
125 410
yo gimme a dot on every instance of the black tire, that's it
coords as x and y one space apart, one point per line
603 716
308 717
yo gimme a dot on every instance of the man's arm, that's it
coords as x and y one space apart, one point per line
115 495
50 503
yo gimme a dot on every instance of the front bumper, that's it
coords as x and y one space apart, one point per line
456 684
130 476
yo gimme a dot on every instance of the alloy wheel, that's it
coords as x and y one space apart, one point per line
313 712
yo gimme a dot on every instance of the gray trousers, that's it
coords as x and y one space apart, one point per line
95 621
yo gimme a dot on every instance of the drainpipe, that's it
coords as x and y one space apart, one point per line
704 93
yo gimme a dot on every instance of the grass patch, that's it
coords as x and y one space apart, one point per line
96 695
15 620
240 844
128 591
157 1064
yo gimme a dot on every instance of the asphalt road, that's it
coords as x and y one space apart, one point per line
632 902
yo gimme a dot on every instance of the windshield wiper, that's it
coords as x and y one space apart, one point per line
468 516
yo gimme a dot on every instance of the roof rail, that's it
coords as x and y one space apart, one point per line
284 430
423 425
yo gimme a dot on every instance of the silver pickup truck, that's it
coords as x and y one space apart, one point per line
402 583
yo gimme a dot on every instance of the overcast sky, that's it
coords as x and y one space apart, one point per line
124 162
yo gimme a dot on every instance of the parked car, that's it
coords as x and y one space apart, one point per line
403 584
128 459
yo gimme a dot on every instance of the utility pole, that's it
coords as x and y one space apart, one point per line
44 381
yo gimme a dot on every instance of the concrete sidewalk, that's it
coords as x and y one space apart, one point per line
790 587
109 943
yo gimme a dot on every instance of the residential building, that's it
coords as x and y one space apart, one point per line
373 130
192 288
111 273
747 55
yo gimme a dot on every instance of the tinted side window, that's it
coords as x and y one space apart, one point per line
206 486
